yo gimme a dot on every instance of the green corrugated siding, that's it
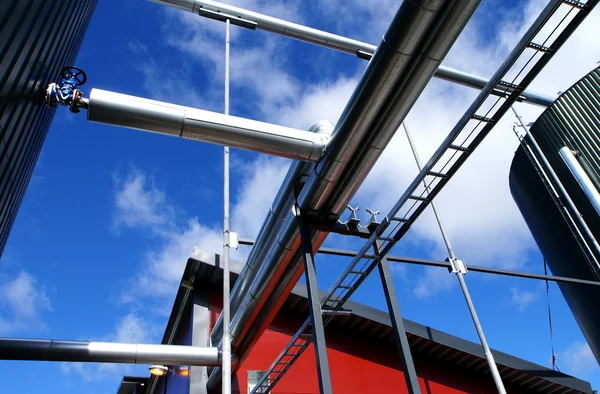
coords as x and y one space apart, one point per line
572 121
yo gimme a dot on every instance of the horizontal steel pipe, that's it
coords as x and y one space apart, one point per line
336 42
196 124
107 352
395 77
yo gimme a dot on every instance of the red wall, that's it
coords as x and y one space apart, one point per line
357 364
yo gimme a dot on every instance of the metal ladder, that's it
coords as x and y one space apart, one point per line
465 137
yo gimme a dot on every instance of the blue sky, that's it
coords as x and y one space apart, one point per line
111 214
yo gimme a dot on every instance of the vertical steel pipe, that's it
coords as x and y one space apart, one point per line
226 382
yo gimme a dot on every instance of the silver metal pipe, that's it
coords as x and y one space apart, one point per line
394 78
333 41
461 280
107 352
196 124
226 349
272 224
581 177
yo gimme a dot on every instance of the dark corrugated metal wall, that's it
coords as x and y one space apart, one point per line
37 38
572 121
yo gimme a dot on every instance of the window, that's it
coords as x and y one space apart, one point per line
253 378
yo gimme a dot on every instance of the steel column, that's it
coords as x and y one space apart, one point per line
410 374
226 376
316 313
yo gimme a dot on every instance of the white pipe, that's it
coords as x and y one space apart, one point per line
581 177
334 41
107 352
196 124
226 381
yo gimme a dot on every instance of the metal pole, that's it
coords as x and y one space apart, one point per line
226 376
410 374
447 265
461 280
581 177
318 329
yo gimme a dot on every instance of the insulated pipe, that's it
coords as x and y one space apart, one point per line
272 224
107 352
581 177
369 96
395 77
339 43
196 124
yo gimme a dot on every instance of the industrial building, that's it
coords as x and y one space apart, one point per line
362 354
572 122
34 48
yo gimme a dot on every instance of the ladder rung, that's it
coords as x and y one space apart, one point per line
510 85
357 272
483 119
540 48
576 4
386 239
436 174
459 148
419 198
345 287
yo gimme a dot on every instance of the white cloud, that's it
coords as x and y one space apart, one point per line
522 298
23 302
139 203
433 281
577 359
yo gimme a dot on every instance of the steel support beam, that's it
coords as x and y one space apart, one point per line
254 20
107 352
316 314
445 264
410 374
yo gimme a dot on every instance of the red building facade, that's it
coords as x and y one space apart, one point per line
362 354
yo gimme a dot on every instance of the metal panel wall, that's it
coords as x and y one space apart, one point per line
572 121
37 39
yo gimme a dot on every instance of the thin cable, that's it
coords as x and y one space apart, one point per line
554 367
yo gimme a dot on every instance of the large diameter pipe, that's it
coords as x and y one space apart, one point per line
196 124
339 43
107 352
389 72
398 47
272 224
581 177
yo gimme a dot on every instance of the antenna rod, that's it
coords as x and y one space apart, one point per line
459 275
226 377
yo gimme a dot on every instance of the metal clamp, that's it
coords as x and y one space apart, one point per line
457 265
373 223
353 220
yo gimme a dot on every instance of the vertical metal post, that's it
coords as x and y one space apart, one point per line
226 376
315 306
461 280
410 374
